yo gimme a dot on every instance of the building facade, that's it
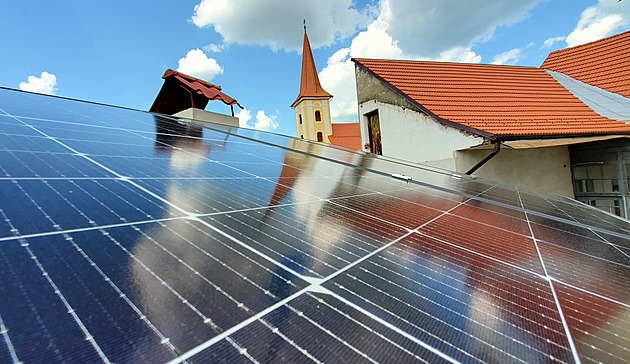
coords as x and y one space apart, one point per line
537 128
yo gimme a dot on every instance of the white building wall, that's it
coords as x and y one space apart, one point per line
412 136
540 169
415 137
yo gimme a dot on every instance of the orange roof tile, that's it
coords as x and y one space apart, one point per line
604 63
309 86
346 135
505 101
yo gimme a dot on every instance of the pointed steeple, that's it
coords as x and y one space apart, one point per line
310 86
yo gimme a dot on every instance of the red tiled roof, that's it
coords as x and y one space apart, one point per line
346 135
604 63
309 85
506 101
180 92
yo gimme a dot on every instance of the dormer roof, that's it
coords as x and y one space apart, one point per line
180 92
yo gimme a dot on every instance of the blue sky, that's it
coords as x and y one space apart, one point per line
116 52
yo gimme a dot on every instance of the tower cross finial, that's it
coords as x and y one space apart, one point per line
304 24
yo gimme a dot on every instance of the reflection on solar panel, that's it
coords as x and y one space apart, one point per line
131 237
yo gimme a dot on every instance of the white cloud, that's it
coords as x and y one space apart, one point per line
45 84
600 21
549 42
338 79
431 27
243 118
214 48
197 64
458 54
263 122
338 76
375 42
509 57
277 23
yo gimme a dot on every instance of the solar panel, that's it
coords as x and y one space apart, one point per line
127 236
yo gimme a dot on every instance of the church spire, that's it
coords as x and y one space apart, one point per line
309 86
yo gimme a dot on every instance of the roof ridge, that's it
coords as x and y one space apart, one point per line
589 44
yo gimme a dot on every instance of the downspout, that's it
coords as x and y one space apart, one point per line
495 151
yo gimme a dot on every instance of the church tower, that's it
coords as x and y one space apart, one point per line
312 106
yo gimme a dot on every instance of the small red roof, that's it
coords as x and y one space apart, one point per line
604 63
507 102
180 92
346 135
309 86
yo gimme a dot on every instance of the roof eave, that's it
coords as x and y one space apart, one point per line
514 137
300 98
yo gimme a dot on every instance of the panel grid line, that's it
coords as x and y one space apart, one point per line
7 340
65 302
614 246
122 295
332 294
235 328
577 288
445 308
395 328
574 351
338 272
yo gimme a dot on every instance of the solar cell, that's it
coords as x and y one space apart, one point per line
127 236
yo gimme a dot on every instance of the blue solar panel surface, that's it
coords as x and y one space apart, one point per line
127 236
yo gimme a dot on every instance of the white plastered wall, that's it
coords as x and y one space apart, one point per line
540 169
409 135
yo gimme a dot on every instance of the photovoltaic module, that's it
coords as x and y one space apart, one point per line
127 236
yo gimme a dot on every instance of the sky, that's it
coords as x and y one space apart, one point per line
116 52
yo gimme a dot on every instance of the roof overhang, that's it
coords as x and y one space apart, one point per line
541 143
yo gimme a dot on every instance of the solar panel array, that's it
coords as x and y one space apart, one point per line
132 237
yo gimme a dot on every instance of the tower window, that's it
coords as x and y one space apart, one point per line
318 115
300 119
320 136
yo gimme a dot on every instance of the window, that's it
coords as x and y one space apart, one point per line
302 136
318 115
612 205
598 184
320 136
596 178
601 175
300 119
374 133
